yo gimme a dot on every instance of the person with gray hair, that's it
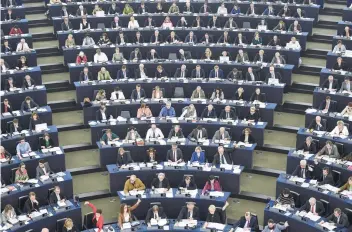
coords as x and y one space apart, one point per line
155 212
302 170
308 147
313 206
167 111
215 215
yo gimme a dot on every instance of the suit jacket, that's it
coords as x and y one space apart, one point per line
6 65
160 38
33 123
150 214
278 228
207 114
43 144
129 136
29 207
170 156
133 55
343 66
188 39
25 107
117 10
244 40
186 56
178 73
255 73
124 160
25 83
251 139
134 94
253 223
201 73
257 58
195 23
137 73
343 220
335 84
140 10
298 172
229 40
220 74
212 24
10 16
274 60
313 125
203 40
254 116
217 135
328 180
332 106
257 97
120 74
149 56
277 76
9 109
344 87
194 134
119 41
312 149
99 115
237 75
138 40
81 76
242 59
161 74
287 14
156 182
170 40
40 171
291 28
319 208
216 160
12 128
53 199
78 12
232 114
172 133
334 152
274 43
185 215
66 27
227 24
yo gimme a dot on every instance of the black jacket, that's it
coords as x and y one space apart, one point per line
216 160
327 180
179 134
312 149
29 207
251 139
170 155
178 73
33 123
26 85
257 97
335 84
185 215
253 223
150 214
191 186
313 125
332 106
165 183
319 208
134 94
137 73
194 134
53 198
343 220
201 73
207 114
66 27
232 114
43 144
89 74
125 159
298 172
25 107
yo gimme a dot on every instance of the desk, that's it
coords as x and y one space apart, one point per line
240 156
272 21
115 108
341 99
182 33
341 26
331 59
17 11
15 39
7 25
172 206
56 163
302 134
38 94
347 14
187 127
229 181
295 223
10 142
41 190
171 67
12 58
339 76
293 161
75 213
345 41
18 76
24 118
331 120
311 10
291 56
274 94
305 193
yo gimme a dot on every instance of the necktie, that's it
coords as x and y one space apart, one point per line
312 209
222 159
197 74
124 74
227 115
303 174
188 214
5 109
199 134
191 40
175 156
155 216
216 74
86 77
160 184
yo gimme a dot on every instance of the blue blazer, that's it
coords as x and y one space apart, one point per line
266 12
220 74
195 158
238 11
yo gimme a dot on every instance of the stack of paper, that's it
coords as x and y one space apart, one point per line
312 217
329 226
32 181
216 194
280 207
216 226
226 166
297 179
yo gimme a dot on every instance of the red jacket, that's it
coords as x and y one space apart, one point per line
80 60
100 222
207 186
12 31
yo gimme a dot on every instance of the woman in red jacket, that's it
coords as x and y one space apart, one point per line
98 219
15 30
81 58
212 185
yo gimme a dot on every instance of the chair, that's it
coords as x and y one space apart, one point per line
336 175
263 97
316 143
256 226
125 114
285 230
101 26
60 224
347 126
13 174
172 56
326 206
88 221
49 193
246 25
179 92
223 216
348 212
340 148
21 201
296 196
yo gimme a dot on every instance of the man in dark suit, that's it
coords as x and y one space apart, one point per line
253 74
221 157
138 93
9 15
216 73
156 213
174 154
302 170
176 131
273 75
225 38
123 73
152 55
260 57
248 221
160 182
141 72
15 126
184 55
326 177
198 133
328 105
156 37
85 75
330 84
66 25
28 82
190 211
136 55
31 204
56 196
214 22
6 106
340 65
81 11
228 113
308 147
275 41
317 124
191 38
339 218
181 72
209 112
198 72
123 157
28 104
43 169
101 113
138 39
313 206
149 22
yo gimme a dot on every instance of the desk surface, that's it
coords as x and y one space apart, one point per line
18 76
342 99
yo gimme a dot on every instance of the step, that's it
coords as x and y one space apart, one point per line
311 68
298 106
39 23
94 195
265 171
276 148
320 40
78 147
37 37
49 51
338 2
62 103
307 86
330 11
57 84
303 91
326 25
30 1
84 170
35 10
75 126
53 68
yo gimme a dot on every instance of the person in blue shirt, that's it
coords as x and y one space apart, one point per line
198 156
236 9
269 11
23 147
167 110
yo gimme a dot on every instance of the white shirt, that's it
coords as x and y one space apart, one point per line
22 47
81 26
295 45
58 197
132 25
222 10
191 116
103 115
3 68
100 58
117 96
336 131
156 133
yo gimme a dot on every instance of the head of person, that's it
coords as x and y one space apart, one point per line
247 131
339 60
46 136
34 116
337 212
102 108
252 110
210 107
133 179
187 179
23 140
98 50
155 208
32 196
8 208
286 192
174 147
222 130
177 128
161 176
227 109
57 189
211 209
23 59
220 149
350 181
271 223
328 99
159 68
257 91
138 87
247 216
312 201
326 171
168 105
190 205
340 124
199 149
309 140
271 69
41 163
329 144
68 223
10 80
121 151
116 19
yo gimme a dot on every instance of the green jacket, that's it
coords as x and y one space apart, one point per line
104 76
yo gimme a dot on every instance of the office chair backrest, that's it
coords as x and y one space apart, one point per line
179 92
13 174
49 193
326 206
125 114
95 92
348 213
316 143
101 26
21 201
246 25
296 196
336 175
172 56
340 148
60 224
263 96
256 226
88 221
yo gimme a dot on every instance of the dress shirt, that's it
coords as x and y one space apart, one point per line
22 47
23 148
88 41
100 58
156 133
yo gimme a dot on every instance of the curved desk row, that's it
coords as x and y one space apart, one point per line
13 58
229 180
18 11
341 26
338 75
7 25
331 119
15 39
345 41
172 202
240 156
165 125
342 99
10 142
18 76
331 59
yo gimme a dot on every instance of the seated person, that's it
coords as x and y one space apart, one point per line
15 30
10 85
184 55
125 215
303 170
240 39
101 95
22 63
260 57
340 129
225 38
46 142
275 227
206 39
198 72
299 13
275 41
21 174
230 24
8 214
221 134
347 186
239 95
127 10
313 206
4 66
330 84
235 74
339 47
117 94
141 72
328 105
216 73
214 22
149 22
56 196
215 215
182 22
123 73
160 72
253 115
295 27
347 111
326 177
144 111
228 113
22 147
308 147
70 41
222 10
248 221
133 23
133 183
136 55
346 86
181 72
138 93
189 112
167 111
81 58
257 40
121 39
85 75
251 11
257 96
101 113
152 55
138 39
157 93
198 156
34 120
156 37
190 211
198 93
329 150
198 133
123 157
156 213
104 40
174 9
241 57
151 156
108 136
22 46
198 22
217 95
339 218
100 57
207 54
88 40
294 44
224 56
221 157
43 169
272 75
188 183
340 65
209 112
4 154
212 184
28 82
113 9
285 12
174 155
270 11
161 182
6 106
173 38
31 204
278 59
132 134
154 133
176 132
247 137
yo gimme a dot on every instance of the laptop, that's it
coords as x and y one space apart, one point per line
262 27
100 13
273 81
41 127
224 59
